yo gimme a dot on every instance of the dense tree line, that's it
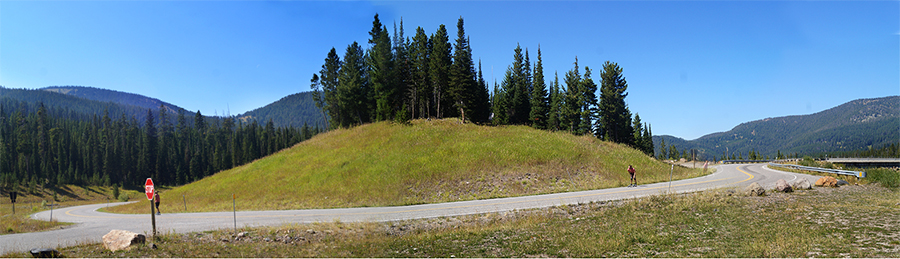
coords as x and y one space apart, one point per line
402 79
427 77
886 151
50 147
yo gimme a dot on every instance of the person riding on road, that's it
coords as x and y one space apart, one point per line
633 180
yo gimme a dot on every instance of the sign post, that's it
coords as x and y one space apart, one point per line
671 171
148 189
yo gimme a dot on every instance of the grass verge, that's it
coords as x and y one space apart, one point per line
850 221
430 161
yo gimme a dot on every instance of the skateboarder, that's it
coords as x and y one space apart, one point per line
156 201
633 180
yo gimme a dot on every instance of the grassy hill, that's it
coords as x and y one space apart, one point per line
385 164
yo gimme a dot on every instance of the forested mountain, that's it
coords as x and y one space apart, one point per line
49 139
104 95
27 101
291 111
856 125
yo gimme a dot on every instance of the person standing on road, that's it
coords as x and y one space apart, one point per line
156 201
633 180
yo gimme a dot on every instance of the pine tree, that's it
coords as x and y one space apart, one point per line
638 132
420 89
570 114
555 103
462 87
481 108
588 101
353 88
517 89
647 140
148 154
614 119
662 149
380 65
403 65
673 152
500 103
439 68
539 106
328 80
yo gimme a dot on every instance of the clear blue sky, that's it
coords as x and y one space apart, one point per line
693 67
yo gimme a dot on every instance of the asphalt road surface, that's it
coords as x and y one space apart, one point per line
92 225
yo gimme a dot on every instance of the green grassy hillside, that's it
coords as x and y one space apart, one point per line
385 164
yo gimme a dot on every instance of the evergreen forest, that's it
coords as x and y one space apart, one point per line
44 146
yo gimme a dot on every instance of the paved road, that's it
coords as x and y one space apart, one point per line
92 225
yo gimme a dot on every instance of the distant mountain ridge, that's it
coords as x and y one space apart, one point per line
105 95
292 110
854 125
28 100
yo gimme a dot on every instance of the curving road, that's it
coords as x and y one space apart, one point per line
92 225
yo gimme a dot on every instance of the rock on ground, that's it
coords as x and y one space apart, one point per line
801 184
117 240
782 186
826 181
45 253
755 190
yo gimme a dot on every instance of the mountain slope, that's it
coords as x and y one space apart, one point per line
27 101
104 95
383 164
854 125
292 110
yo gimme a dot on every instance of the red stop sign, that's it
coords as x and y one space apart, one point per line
148 188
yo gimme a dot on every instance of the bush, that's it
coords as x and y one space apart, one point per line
886 176
115 191
123 197
808 161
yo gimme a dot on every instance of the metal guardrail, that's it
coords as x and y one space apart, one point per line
858 174
744 161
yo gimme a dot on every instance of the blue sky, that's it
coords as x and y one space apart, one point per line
693 67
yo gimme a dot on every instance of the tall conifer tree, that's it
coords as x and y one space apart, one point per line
403 65
440 71
380 66
588 101
481 110
420 89
555 103
615 119
539 106
570 116
353 88
462 85
328 80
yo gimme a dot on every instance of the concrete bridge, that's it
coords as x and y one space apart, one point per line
866 162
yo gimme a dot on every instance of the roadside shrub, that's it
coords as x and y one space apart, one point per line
808 161
123 197
886 176
115 191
